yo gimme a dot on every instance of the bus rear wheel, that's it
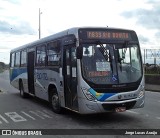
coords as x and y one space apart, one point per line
55 103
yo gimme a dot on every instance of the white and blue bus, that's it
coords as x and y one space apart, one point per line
86 70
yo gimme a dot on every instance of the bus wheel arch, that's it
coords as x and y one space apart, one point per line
54 99
21 89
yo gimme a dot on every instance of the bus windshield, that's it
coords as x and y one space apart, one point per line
111 63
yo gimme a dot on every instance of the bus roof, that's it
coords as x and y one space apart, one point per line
60 35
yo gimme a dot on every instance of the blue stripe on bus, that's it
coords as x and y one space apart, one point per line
101 96
16 72
106 96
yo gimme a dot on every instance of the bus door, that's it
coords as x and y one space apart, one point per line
70 77
30 70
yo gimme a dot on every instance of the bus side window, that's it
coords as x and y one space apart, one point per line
12 59
23 58
17 59
74 57
41 56
53 53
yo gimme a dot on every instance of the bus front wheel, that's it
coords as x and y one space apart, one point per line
55 103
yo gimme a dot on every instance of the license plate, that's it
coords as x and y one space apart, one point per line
120 109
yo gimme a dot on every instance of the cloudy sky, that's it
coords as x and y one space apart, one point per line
19 19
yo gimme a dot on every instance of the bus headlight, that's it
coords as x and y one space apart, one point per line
88 95
142 92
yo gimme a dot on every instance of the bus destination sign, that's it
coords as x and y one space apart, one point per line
108 35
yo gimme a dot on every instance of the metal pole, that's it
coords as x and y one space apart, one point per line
39 23
144 57
155 57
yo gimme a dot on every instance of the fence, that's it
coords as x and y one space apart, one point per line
151 61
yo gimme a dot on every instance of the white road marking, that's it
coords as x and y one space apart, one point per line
129 111
3 92
28 115
35 113
15 117
47 113
158 117
4 119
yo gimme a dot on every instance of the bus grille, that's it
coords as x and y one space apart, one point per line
112 107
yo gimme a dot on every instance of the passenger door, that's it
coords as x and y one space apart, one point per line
30 70
70 77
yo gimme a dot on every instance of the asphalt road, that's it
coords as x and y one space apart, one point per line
32 113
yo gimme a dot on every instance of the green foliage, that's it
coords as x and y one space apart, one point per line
3 67
152 69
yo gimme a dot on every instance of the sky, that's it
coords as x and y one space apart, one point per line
19 19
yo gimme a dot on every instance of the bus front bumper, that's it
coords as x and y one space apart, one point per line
91 107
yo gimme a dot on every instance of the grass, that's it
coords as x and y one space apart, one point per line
1 70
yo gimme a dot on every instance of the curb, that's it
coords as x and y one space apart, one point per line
151 90
152 87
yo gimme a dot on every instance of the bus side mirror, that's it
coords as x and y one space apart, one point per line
79 52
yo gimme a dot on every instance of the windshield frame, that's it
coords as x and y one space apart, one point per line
118 84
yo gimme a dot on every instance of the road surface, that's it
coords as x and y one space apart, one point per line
32 113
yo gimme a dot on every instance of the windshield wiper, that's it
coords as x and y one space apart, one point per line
106 54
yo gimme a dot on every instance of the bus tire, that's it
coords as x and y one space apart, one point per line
55 102
21 89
